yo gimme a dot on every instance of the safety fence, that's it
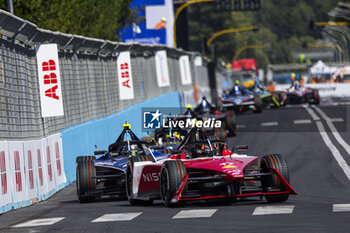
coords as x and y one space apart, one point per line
34 155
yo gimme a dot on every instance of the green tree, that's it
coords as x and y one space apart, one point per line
93 18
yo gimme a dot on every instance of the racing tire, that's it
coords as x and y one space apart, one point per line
221 132
171 175
315 99
85 178
129 179
257 104
277 162
231 123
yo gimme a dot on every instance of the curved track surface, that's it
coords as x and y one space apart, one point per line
316 144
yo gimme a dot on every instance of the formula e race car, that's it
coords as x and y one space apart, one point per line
241 101
206 169
106 174
204 110
300 95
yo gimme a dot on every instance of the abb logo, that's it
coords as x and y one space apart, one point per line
18 175
151 177
3 173
50 78
125 74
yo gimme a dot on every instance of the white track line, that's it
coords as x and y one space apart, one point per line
202 213
312 114
39 222
273 123
266 210
334 130
117 217
337 120
341 208
303 121
240 126
342 163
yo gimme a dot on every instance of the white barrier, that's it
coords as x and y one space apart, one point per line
5 197
30 171
324 89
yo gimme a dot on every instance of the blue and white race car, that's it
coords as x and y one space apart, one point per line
96 177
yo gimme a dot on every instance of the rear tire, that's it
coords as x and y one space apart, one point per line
231 123
277 162
129 179
221 132
85 181
257 104
171 175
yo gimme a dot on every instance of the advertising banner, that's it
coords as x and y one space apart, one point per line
162 68
185 70
5 175
30 149
49 80
126 88
48 165
17 171
55 142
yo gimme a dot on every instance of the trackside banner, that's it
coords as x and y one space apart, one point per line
49 80
126 87
185 70
162 69
30 171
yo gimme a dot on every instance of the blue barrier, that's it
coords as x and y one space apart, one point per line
80 140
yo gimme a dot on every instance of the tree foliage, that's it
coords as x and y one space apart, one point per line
93 18
283 25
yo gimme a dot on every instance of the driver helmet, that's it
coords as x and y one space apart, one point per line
133 150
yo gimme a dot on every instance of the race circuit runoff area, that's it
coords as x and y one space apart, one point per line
315 141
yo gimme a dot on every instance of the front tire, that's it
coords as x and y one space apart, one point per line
171 175
277 162
85 178
257 104
129 179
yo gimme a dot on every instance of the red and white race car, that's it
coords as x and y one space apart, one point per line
204 169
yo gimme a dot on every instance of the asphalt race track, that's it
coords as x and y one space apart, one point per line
315 142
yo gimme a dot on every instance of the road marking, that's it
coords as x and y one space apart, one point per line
39 222
337 120
312 114
203 213
341 207
342 163
266 210
273 123
240 126
305 121
334 130
117 217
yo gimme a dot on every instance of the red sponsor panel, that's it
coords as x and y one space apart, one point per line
49 166
30 170
3 173
40 169
18 175
58 159
150 178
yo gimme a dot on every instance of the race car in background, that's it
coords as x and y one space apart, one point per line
204 110
298 94
206 169
241 101
105 175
